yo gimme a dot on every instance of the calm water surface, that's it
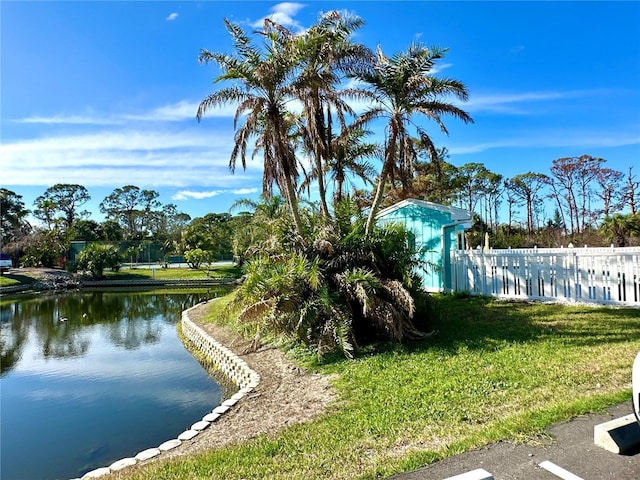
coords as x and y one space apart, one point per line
89 378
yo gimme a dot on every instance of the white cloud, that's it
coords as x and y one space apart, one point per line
512 103
160 152
70 120
480 147
127 140
197 156
283 14
287 8
187 194
557 138
172 16
505 101
147 148
170 176
184 110
438 68
179 111
245 191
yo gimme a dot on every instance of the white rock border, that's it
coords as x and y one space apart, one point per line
227 362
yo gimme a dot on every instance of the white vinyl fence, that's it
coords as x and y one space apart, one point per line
594 275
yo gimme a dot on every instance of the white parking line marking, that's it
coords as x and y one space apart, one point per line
559 471
479 474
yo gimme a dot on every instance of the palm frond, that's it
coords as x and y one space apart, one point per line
399 296
256 310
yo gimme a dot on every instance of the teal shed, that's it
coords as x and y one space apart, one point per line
437 229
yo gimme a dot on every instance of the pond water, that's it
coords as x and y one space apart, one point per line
90 378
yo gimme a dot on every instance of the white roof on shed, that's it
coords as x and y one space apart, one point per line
457 214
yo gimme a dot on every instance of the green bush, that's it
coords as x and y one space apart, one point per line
97 257
335 288
197 257
44 248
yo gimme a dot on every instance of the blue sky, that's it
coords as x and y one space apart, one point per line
104 94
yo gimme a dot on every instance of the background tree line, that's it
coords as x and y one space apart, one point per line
131 214
579 200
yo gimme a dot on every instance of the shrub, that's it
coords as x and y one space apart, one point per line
96 257
197 257
336 288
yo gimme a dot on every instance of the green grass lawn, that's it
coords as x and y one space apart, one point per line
174 273
227 271
495 371
10 278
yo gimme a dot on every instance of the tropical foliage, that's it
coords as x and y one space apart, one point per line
336 288
618 228
132 215
261 89
43 248
97 257
198 257
324 274
13 226
403 87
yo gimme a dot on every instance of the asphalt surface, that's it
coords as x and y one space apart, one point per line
570 448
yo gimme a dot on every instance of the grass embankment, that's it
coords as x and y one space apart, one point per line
228 271
495 371
218 271
10 278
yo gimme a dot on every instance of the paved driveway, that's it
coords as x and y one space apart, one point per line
572 449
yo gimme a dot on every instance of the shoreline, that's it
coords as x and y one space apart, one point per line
285 395
53 280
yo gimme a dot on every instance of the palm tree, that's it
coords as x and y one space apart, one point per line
342 290
260 226
261 91
401 87
348 154
268 208
619 227
326 51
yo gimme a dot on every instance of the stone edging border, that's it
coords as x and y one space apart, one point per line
228 363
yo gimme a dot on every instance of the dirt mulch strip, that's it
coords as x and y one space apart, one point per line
286 395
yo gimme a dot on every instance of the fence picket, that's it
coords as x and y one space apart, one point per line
595 275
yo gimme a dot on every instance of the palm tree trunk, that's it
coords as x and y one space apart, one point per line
377 199
389 159
322 191
293 205
287 164
320 137
339 182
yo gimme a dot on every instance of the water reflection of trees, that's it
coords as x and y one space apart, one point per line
62 323
12 337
